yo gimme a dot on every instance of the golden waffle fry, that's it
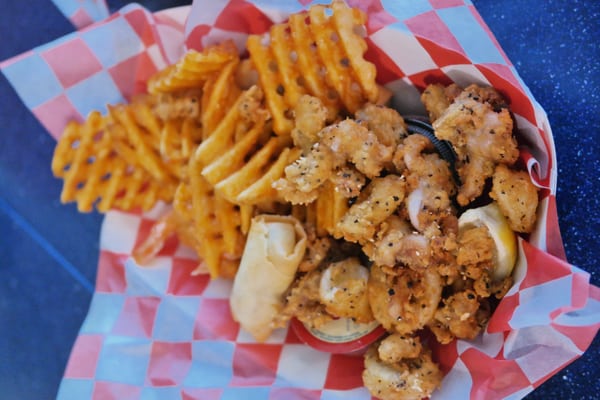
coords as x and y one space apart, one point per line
254 168
178 140
193 69
139 143
262 189
235 157
223 136
94 173
323 58
219 94
330 207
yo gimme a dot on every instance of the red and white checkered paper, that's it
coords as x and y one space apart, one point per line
82 13
155 332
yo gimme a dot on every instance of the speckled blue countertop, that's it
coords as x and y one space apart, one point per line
48 252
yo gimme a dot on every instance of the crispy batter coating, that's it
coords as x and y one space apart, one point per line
306 175
437 98
353 142
395 347
304 302
462 316
475 257
480 131
384 122
342 148
378 201
408 379
343 290
429 182
405 300
310 117
396 243
317 249
517 197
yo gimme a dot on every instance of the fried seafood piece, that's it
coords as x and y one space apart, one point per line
461 316
346 145
396 347
180 104
303 301
310 117
517 197
411 378
475 254
397 243
305 176
317 249
437 98
376 203
479 127
343 290
402 299
352 142
429 183
384 122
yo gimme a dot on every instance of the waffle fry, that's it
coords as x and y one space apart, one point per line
137 131
257 166
330 207
94 174
203 136
323 58
219 94
193 69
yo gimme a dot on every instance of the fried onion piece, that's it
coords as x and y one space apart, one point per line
411 378
377 202
479 127
404 300
517 197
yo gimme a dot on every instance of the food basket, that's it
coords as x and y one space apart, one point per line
156 332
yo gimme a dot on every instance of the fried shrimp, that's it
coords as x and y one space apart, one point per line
462 316
353 142
395 347
429 183
342 148
343 290
377 202
384 122
310 118
306 175
437 98
396 243
408 379
303 301
517 197
480 130
404 300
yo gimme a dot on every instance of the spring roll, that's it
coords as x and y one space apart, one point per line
274 248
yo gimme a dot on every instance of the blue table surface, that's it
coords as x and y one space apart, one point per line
48 251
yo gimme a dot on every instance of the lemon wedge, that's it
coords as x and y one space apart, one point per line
505 240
